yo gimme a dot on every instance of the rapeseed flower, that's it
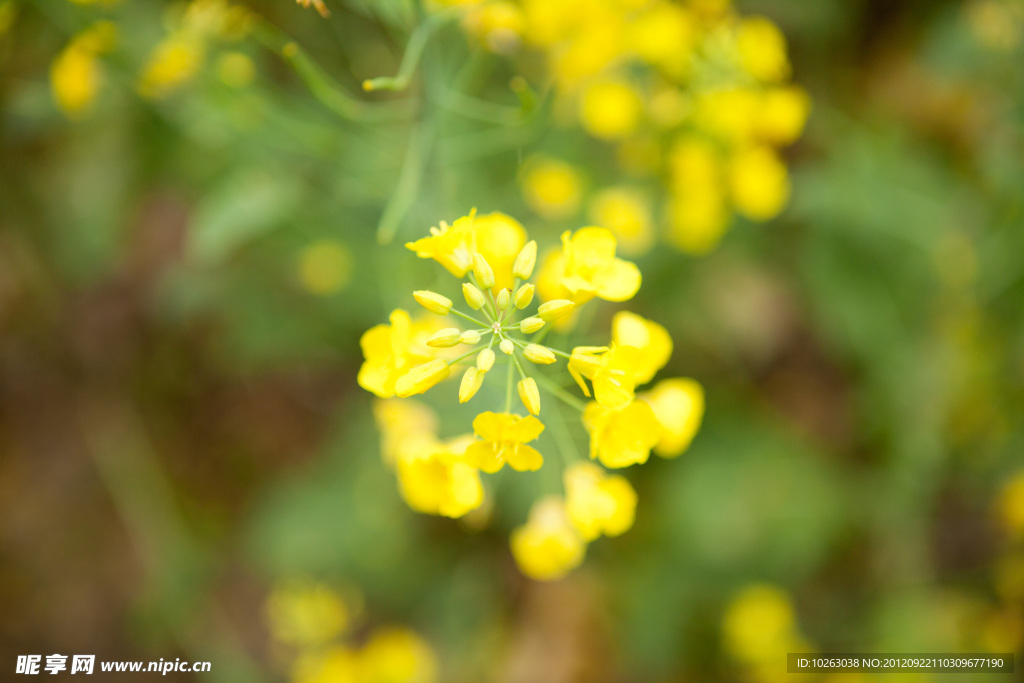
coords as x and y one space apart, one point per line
548 546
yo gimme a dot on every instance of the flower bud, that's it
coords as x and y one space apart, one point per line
485 360
504 296
530 325
552 310
524 295
469 337
525 262
474 297
541 355
421 378
432 301
471 382
529 395
507 347
482 271
444 339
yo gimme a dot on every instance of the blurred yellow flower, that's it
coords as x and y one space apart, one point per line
404 425
1011 505
503 440
762 49
306 613
759 623
610 109
498 25
173 62
598 503
548 546
697 220
782 114
551 188
391 350
337 664
397 655
627 213
621 437
586 267
76 73
325 267
647 336
759 183
236 69
664 34
678 405
434 479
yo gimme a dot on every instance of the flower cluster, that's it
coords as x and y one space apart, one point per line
311 621
407 357
691 94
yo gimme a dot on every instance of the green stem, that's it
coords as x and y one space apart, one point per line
411 58
409 178
455 360
524 344
470 319
508 389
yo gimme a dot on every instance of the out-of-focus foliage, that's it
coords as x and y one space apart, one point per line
202 210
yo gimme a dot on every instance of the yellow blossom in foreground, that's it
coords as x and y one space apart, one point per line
397 655
1011 505
759 623
762 49
337 664
551 188
435 480
495 236
611 371
627 214
390 351
547 547
586 267
598 503
404 425
504 438
306 614
678 405
172 63
623 437
650 338
325 267
422 377
610 110
759 183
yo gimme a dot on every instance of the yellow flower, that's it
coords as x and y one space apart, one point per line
762 49
236 69
76 73
498 25
504 438
390 351
664 35
529 395
610 369
652 340
598 503
759 183
325 267
337 664
551 188
728 114
627 214
782 114
495 236
173 62
587 267
306 614
623 437
1011 505
697 220
547 547
422 378
437 304
678 405
472 380
610 110
397 655
759 623
405 425
435 480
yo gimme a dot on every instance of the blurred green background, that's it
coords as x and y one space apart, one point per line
184 280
